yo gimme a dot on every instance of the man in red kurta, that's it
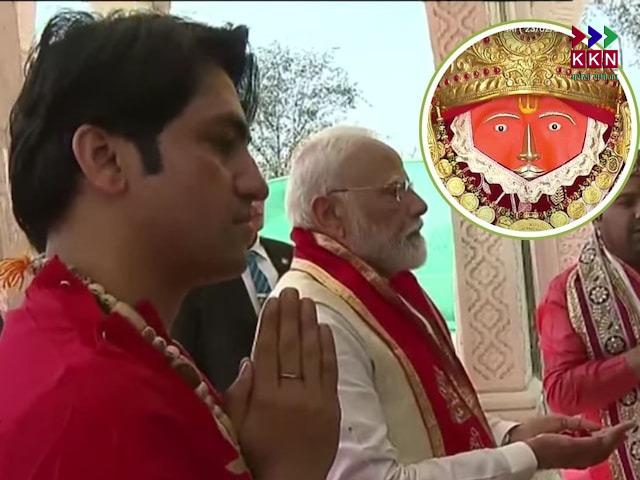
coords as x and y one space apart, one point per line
589 325
129 170
83 395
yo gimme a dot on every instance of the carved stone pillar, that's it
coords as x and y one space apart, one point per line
492 314
26 16
568 13
16 31
551 256
452 22
492 307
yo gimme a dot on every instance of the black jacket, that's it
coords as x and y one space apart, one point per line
217 323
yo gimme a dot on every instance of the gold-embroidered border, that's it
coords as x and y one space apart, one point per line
457 374
575 315
426 410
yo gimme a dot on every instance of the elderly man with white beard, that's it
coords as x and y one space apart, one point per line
409 411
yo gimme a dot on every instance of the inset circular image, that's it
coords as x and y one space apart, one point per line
521 138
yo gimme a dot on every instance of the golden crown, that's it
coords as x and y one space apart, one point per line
525 61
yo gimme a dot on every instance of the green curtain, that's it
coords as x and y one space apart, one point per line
437 275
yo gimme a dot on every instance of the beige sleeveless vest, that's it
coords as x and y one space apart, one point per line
406 430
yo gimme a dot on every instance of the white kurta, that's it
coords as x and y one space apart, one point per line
381 434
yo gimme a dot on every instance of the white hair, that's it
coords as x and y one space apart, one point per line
315 167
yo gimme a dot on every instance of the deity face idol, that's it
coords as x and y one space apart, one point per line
519 139
528 134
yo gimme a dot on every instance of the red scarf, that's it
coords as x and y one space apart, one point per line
438 380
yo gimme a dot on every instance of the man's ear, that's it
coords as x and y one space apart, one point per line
328 217
96 152
323 212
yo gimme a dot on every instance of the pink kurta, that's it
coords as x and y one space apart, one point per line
574 383
83 396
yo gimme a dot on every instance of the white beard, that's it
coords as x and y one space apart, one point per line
383 251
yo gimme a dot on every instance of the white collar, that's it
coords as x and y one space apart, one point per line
258 248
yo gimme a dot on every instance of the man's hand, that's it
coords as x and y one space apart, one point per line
284 405
573 426
554 450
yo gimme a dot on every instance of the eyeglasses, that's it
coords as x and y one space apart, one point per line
395 189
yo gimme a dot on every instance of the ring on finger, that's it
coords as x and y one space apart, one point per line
290 376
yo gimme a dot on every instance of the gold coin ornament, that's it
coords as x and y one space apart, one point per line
486 213
437 150
576 209
623 144
558 219
530 225
604 180
504 221
591 195
444 168
455 186
613 164
469 201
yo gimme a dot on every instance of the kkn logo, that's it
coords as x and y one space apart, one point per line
594 58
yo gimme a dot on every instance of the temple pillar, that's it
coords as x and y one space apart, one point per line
17 21
493 310
554 255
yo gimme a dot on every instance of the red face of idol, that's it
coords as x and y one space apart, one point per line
543 129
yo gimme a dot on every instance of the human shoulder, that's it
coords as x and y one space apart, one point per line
558 285
277 247
272 242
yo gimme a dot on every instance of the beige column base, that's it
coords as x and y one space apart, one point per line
518 405
547 475
16 31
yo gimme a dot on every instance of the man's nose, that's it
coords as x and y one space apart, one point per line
417 206
250 183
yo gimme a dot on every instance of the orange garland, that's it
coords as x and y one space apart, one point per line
13 272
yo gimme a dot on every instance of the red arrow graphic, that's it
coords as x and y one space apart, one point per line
578 36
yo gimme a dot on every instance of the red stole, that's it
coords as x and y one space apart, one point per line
603 312
436 376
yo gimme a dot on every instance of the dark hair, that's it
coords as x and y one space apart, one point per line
130 74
